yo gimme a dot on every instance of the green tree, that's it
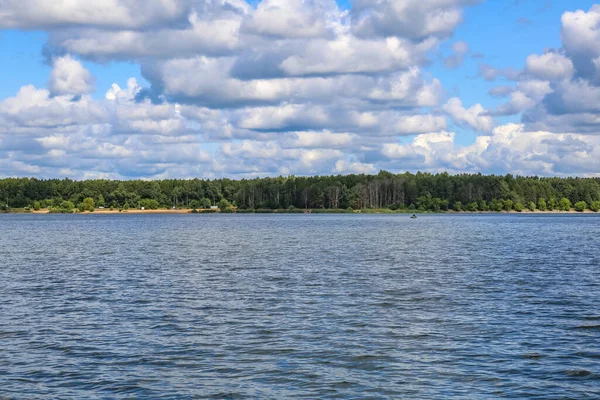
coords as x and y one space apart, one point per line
126 206
473 206
496 205
518 206
457 206
595 206
542 205
36 205
88 204
444 205
205 202
531 206
565 204
508 205
483 206
224 205
552 203
580 206
101 201
384 190
67 206
149 204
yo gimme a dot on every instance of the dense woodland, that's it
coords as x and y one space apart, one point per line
420 191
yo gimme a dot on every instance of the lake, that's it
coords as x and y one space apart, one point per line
299 306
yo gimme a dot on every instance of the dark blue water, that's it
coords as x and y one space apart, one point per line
299 306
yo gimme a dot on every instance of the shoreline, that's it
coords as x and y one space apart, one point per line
313 211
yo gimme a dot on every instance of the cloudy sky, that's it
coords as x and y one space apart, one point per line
227 88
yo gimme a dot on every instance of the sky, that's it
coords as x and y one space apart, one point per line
153 89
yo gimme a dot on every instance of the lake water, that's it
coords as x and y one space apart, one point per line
299 306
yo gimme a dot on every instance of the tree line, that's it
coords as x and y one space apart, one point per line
420 191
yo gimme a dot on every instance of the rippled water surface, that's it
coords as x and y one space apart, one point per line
299 306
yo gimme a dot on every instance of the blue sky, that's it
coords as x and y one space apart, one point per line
119 89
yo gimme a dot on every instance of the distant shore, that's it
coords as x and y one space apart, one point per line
295 211
134 211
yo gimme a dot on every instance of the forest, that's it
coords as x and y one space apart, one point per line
404 191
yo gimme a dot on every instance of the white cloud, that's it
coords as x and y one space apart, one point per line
36 108
413 19
290 18
558 91
116 93
347 54
526 96
580 35
289 86
549 66
69 76
475 116
349 167
301 81
408 88
371 123
418 124
508 148
283 117
214 37
323 140
43 14
207 81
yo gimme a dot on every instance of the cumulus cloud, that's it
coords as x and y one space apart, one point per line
289 86
559 90
413 19
549 66
210 82
373 123
42 14
69 76
290 18
580 35
350 167
271 157
475 116
324 140
525 96
508 148
407 88
116 137
348 54
36 111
